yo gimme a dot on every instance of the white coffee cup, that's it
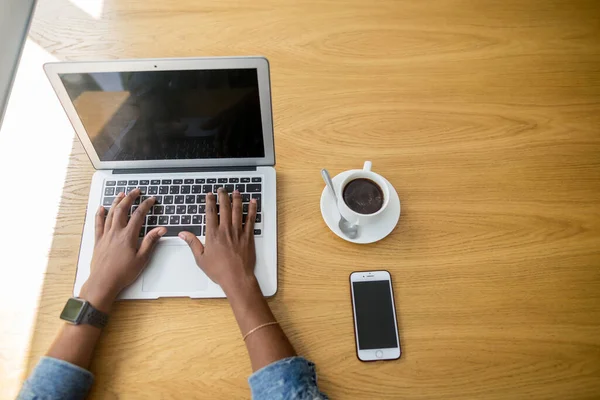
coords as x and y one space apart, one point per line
366 173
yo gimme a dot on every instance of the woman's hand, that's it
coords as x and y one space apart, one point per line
228 256
117 260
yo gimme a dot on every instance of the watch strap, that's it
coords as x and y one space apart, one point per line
94 317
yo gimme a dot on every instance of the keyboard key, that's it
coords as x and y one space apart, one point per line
257 232
246 197
144 198
190 199
217 187
234 180
166 182
122 183
164 220
111 183
201 209
188 181
200 181
207 189
136 201
144 190
241 187
229 188
129 189
109 191
196 189
258 218
201 199
196 219
133 182
107 201
152 220
177 181
174 190
245 180
170 210
222 180
167 200
185 189
158 199
174 230
192 209
179 199
174 220
245 207
256 179
163 190
155 182
253 187
181 210
120 189
144 182
258 198
159 210
211 180
142 229
153 190
186 219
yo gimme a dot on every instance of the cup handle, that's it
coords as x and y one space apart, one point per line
367 166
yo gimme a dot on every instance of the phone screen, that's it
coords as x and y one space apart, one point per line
374 315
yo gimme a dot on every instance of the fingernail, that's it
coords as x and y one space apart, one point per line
236 191
181 235
253 201
120 194
162 232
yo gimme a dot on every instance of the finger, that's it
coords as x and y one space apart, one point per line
249 229
225 209
99 228
211 214
236 212
139 215
111 212
150 241
195 245
122 210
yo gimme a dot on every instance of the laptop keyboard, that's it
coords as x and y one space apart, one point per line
181 203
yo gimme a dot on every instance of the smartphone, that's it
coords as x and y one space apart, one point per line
375 325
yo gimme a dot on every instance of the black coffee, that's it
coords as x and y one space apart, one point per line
363 196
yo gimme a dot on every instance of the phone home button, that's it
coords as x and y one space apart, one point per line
379 354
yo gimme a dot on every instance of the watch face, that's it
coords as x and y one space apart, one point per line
72 310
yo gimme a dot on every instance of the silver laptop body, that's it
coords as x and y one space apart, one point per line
176 128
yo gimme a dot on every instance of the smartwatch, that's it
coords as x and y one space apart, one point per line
79 311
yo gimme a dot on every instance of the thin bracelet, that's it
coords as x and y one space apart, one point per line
257 328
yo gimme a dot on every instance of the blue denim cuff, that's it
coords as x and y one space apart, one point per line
289 378
56 379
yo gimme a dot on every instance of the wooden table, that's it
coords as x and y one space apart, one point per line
483 114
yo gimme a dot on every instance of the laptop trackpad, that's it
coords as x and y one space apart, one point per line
173 269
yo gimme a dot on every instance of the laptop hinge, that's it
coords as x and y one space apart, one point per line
179 170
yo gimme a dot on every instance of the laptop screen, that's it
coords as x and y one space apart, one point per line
169 115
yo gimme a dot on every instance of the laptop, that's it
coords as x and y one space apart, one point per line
177 129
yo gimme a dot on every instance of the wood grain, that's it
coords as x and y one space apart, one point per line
483 114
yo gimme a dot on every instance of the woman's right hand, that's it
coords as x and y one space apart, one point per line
228 256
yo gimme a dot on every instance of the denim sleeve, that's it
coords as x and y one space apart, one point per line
292 378
56 379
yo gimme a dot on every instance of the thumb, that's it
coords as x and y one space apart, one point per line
150 241
195 244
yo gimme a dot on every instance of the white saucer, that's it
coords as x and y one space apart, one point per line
380 228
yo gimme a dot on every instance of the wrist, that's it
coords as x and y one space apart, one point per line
241 287
101 300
